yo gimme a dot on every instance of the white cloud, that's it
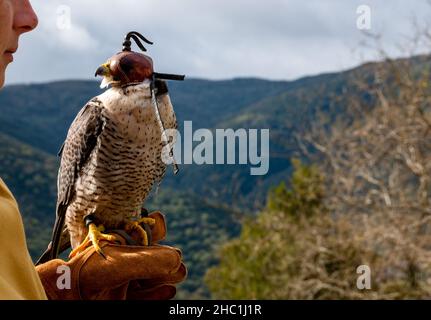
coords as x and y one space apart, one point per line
277 39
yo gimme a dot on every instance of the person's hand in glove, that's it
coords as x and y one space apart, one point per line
128 272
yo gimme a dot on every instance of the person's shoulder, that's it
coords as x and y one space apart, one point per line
5 191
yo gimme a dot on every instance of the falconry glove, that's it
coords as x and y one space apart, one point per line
127 271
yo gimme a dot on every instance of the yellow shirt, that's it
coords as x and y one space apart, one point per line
18 276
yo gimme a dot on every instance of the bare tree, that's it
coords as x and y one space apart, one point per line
378 173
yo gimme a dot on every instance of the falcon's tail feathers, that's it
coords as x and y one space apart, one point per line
54 246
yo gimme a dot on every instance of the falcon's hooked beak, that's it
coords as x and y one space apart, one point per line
105 72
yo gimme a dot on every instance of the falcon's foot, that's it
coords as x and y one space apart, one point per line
136 226
93 237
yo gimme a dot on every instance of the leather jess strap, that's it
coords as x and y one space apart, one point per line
128 239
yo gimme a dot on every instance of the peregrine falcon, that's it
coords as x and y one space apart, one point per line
112 155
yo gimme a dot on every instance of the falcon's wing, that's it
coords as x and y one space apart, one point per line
80 142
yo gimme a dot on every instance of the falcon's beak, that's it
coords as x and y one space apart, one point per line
103 71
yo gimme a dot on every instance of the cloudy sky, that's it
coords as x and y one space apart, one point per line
215 39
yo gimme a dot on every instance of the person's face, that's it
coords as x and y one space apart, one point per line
16 18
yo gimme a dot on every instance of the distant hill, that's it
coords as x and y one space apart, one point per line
31 175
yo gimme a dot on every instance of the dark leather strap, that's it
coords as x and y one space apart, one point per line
129 240
126 237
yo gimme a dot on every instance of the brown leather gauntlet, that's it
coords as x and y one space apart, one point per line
128 272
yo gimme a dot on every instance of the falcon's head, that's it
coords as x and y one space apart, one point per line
125 68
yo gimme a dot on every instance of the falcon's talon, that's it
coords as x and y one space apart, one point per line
93 237
80 248
146 220
135 225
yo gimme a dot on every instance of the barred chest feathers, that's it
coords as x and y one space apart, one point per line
126 161
133 114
